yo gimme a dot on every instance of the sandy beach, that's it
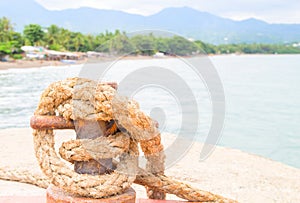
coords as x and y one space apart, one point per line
20 64
228 172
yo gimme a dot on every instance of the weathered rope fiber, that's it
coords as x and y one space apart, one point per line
24 176
77 98
160 182
144 178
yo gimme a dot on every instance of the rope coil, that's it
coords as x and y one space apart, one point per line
77 98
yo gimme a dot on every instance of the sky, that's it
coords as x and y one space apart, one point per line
272 11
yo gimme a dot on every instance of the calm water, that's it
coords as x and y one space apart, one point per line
262 100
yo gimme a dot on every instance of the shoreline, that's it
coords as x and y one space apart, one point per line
24 64
228 172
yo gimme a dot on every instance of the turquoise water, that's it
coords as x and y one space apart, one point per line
263 105
262 101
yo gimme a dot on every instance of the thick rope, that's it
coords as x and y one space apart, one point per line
159 182
99 148
76 98
24 176
97 186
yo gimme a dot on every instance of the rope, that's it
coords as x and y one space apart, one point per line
24 176
77 98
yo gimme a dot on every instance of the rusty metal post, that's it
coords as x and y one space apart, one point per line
50 122
91 130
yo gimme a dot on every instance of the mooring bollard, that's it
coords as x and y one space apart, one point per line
85 129
95 181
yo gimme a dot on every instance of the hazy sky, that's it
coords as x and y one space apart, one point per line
274 11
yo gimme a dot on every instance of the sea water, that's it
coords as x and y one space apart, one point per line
262 97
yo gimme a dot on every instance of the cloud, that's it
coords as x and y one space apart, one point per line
282 11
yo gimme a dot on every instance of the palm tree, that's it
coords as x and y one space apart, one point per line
53 35
65 38
6 29
78 41
34 34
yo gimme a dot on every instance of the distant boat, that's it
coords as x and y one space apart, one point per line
159 55
68 61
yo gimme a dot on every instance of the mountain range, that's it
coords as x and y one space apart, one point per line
185 21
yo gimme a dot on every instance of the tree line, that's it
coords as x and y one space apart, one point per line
117 42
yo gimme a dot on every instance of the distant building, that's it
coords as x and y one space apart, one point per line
32 52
